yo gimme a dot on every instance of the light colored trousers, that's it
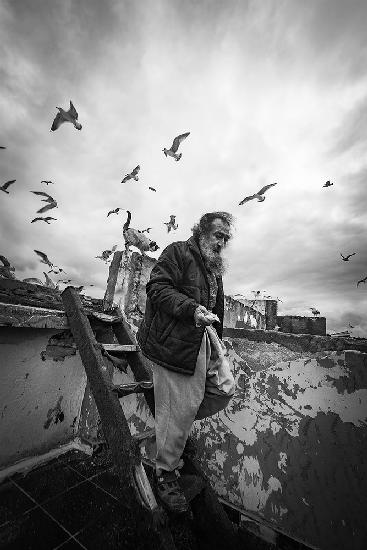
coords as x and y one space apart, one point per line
180 398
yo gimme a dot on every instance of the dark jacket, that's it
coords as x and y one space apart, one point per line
178 284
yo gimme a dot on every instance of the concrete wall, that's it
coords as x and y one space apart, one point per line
296 324
41 391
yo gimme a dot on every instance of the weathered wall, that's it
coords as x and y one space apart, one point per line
296 324
290 447
41 391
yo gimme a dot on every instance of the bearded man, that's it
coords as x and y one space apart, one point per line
180 334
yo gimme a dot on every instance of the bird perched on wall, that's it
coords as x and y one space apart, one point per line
172 151
315 311
47 219
5 186
33 281
171 224
346 258
362 281
133 175
49 282
134 237
106 254
66 116
47 181
6 270
152 189
44 258
259 195
328 184
116 211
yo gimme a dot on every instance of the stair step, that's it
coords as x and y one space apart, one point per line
132 387
119 348
104 317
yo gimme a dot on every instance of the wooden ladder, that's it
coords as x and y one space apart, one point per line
99 360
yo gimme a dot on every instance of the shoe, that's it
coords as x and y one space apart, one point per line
170 492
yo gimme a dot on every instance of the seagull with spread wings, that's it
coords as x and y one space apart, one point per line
146 230
66 116
47 219
152 189
328 184
362 281
44 258
171 224
47 181
172 152
259 195
133 175
5 186
346 258
315 311
116 211
52 203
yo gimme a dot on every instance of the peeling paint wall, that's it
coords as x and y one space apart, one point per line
41 391
291 446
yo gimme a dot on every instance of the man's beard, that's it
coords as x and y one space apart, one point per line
213 261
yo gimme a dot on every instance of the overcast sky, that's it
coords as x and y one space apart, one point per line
271 91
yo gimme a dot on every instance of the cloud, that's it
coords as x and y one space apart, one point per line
270 92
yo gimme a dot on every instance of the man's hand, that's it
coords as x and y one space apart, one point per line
204 317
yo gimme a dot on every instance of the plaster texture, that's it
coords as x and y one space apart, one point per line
41 391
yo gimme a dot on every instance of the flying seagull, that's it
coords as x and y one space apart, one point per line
315 311
171 224
47 181
132 175
146 230
2 147
66 116
152 189
328 184
346 258
52 203
116 211
106 254
172 152
362 281
259 195
44 258
47 219
5 186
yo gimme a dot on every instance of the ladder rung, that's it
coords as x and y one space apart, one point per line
132 387
119 348
144 435
104 317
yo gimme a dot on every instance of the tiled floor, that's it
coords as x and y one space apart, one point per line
71 502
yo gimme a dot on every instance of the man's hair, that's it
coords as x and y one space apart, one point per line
205 223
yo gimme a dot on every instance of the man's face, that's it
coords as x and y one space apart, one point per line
218 236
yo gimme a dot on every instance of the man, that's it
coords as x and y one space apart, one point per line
180 335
